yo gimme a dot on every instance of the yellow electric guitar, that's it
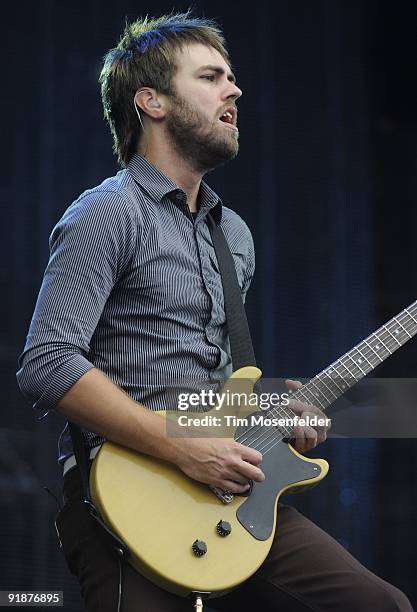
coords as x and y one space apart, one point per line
187 537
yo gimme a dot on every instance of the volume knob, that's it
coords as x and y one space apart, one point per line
199 548
223 528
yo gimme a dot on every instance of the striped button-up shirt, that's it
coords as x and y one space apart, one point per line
133 288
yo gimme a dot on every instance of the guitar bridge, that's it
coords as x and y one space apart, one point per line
225 496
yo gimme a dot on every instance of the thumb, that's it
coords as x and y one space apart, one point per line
293 385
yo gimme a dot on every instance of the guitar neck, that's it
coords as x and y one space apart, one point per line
341 375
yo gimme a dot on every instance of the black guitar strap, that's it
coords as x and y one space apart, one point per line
237 324
81 458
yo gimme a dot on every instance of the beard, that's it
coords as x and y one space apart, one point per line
205 144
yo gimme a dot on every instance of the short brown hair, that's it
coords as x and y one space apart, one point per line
145 57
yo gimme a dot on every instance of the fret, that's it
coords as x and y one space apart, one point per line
313 397
302 393
392 335
335 366
327 373
284 412
408 322
317 395
374 352
398 322
363 356
410 315
342 387
379 339
357 363
369 351
345 366
323 382
287 431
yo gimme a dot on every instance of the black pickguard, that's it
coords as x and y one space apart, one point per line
281 468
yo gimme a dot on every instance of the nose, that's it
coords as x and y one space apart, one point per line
232 91
237 92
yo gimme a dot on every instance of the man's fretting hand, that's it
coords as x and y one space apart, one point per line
306 437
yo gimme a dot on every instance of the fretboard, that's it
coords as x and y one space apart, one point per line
341 375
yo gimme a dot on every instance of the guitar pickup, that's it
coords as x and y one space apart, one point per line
225 496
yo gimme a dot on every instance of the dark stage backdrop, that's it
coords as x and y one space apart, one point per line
326 179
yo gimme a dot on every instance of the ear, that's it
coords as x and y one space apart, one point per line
148 101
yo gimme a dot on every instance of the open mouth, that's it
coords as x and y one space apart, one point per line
228 118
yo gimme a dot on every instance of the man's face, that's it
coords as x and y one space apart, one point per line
204 90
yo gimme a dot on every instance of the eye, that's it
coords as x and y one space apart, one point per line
209 77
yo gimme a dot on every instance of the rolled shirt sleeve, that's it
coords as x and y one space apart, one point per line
90 249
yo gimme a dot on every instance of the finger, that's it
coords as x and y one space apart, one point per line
236 477
321 433
311 433
301 407
233 487
296 406
251 455
305 438
321 436
310 440
293 385
307 416
299 444
321 430
298 432
245 468
250 472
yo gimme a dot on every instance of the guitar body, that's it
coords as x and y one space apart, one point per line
159 513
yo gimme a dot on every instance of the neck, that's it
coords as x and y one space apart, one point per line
175 167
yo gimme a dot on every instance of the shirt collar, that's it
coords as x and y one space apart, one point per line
158 185
210 202
155 183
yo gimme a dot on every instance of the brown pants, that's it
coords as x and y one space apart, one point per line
305 570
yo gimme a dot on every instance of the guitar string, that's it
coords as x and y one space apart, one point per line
360 349
339 363
384 336
396 344
267 436
273 440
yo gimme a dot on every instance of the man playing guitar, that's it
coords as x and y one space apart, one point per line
132 298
